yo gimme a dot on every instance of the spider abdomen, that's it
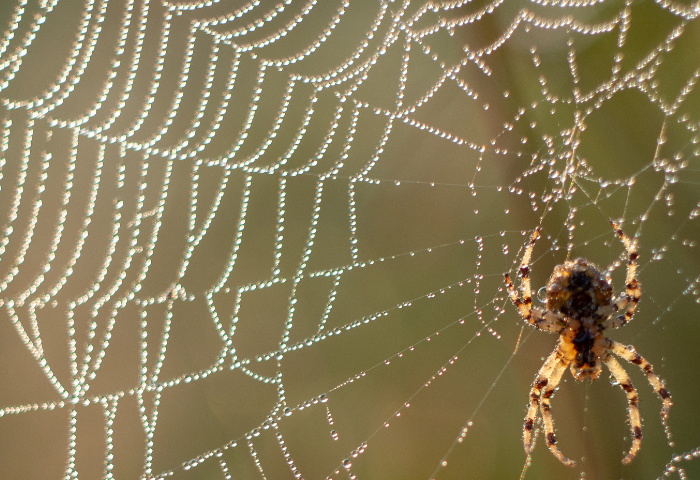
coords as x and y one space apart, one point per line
578 289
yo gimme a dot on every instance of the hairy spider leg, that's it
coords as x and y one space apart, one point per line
547 378
557 372
535 316
629 354
541 380
630 298
525 266
625 382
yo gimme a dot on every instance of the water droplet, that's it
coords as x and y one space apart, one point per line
542 294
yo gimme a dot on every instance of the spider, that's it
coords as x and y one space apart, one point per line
580 306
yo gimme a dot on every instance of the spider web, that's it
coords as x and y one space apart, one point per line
267 240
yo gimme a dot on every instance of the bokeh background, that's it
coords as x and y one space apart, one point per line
268 239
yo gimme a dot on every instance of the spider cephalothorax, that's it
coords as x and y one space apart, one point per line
580 306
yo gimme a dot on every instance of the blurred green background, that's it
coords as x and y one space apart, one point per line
229 209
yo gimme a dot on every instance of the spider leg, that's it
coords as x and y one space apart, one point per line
630 298
629 354
633 405
525 267
541 380
547 378
557 372
535 316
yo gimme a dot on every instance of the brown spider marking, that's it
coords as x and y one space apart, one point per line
579 306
